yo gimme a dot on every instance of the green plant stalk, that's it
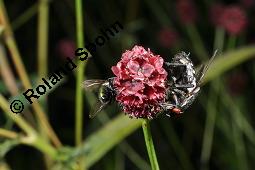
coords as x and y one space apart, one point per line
211 108
239 146
197 42
231 42
209 125
45 147
80 72
42 55
219 39
24 17
8 134
6 73
17 119
149 144
161 16
43 33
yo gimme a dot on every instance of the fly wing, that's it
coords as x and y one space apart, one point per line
203 69
92 84
97 108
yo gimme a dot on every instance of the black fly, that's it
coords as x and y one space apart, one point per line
183 83
106 93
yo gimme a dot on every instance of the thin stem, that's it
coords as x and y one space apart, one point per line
149 144
24 17
80 72
219 39
209 125
6 73
17 119
197 42
43 32
45 147
8 134
231 42
211 108
239 146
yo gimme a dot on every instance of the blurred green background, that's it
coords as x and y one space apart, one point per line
216 132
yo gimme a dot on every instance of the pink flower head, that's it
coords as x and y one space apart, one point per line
216 11
186 11
234 20
167 37
140 82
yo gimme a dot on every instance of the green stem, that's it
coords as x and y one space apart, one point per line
24 17
80 72
149 144
211 106
43 32
231 42
219 39
45 147
197 42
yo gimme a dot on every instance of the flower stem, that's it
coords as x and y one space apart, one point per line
149 144
197 42
80 71
219 39
43 32
231 42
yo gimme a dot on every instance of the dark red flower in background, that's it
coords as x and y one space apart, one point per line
216 11
237 83
167 37
186 11
248 3
234 20
66 48
140 82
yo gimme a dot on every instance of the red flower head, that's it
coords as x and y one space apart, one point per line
216 11
186 11
140 82
167 37
234 20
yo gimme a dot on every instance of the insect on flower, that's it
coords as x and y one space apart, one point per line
145 86
106 93
183 83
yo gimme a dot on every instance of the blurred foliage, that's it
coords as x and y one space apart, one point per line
216 132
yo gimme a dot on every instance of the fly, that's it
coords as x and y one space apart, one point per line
183 83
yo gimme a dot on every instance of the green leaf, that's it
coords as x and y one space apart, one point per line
6 146
229 60
100 142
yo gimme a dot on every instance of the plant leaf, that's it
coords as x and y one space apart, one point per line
6 146
229 60
100 142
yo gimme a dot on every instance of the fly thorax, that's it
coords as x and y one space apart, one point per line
105 94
